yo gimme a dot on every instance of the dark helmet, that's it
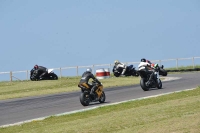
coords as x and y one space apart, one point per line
143 60
36 67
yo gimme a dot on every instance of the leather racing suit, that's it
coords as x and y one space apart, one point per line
85 81
148 68
41 71
123 66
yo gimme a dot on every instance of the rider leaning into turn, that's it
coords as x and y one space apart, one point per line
41 71
120 65
148 67
85 80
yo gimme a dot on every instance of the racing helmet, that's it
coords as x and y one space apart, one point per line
143 60
116 62
36 67
89 70
155 66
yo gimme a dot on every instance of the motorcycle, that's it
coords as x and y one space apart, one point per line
162 71
49 76
86 98
130 71
154 83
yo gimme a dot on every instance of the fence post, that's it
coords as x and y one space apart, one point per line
176 63
60 72
76 70
193 62
10 76
93 70
110 69
160 62
27 75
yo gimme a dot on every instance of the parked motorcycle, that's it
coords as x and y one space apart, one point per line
130 71
86 98
154 83
49 76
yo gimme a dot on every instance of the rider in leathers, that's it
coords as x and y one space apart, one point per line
148 68
41 71
85 79
121 65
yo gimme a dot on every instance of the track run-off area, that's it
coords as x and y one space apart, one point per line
18 111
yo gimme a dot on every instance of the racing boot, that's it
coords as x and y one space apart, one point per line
123 72
148 83
150 79
92 92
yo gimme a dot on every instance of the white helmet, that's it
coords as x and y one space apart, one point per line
116 62
89 70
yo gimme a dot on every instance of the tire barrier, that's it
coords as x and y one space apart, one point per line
184 70
102 73
107 72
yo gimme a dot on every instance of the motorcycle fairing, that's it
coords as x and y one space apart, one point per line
99 90
50 70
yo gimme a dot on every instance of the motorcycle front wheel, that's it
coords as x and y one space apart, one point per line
116 74
85 98
102 98
159 84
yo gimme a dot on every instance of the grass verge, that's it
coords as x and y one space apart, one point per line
18 89
183 67
177 113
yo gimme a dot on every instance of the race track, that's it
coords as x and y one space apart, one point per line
13 111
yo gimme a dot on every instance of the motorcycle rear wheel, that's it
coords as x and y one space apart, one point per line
102 98
143 85
53 76
85 99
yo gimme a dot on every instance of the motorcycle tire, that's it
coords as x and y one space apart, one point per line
159 86
32 79
53 76
116 74
85 98
135 74
143 85
102 98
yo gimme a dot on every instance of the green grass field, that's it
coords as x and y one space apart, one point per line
173 113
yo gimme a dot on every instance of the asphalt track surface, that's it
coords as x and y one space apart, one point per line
19 110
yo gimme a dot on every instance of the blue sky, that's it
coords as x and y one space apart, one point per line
84 32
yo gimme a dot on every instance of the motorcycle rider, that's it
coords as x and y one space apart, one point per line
85 80
144 64
152 65
120 65
41 71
